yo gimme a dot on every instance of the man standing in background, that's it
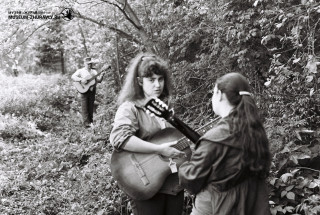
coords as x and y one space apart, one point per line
88 89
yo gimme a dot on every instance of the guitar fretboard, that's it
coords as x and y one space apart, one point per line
185 142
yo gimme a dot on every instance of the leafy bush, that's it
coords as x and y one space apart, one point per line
294 187
18 130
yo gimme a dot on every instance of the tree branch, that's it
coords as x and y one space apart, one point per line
124 13
83 39
120 32
300 167
16 45
13 33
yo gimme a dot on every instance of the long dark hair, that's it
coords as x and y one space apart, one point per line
245 123
144 65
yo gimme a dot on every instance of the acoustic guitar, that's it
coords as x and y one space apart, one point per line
91 80
141 175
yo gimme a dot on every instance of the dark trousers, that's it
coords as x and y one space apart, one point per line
160 204
87 104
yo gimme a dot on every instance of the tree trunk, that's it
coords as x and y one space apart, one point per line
62 62
149 45
83 40
117 71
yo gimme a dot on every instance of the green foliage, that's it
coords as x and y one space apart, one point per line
49 50
293 71
295 188
212 38
18 130
56 165
45 110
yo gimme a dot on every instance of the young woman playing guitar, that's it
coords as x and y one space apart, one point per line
148 76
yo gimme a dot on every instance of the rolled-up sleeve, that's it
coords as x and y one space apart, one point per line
193 175
125 125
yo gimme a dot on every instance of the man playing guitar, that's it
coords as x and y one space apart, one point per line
87 89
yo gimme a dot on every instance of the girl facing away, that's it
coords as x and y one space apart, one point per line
228 169
147 77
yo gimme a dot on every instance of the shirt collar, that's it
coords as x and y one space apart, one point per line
140 103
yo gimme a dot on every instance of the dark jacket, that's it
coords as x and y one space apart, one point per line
216 165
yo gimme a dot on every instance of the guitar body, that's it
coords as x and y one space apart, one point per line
142 175
91 80
83 88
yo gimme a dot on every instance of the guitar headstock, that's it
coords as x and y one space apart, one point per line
159 108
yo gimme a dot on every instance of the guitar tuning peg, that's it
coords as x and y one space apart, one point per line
150 113
157 100
161 103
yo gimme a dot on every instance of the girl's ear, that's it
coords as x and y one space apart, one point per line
139 81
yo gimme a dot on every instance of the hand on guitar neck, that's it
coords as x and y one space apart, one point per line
85 83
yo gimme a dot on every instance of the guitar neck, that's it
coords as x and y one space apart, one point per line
184 129
160 109
93 77
191 135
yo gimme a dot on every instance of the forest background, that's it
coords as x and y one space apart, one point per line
49 164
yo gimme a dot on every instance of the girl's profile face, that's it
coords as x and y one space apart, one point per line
215 99
152 86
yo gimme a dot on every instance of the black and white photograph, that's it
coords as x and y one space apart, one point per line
160 107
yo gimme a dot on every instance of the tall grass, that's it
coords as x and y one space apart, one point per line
20 101
49 162
25 88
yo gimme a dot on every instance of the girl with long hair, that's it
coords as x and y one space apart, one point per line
148 76
228 168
